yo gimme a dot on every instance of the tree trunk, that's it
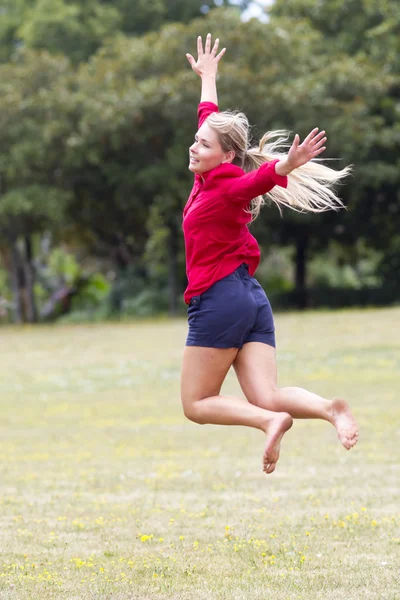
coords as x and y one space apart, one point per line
301 271
29 273
173 249
15 265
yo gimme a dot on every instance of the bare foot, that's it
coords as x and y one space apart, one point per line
276 429
345 423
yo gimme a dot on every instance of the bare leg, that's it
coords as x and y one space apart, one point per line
255 366
203 372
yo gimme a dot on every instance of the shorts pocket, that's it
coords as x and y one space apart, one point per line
193 309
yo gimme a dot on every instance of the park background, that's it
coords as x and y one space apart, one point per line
98 108
106 490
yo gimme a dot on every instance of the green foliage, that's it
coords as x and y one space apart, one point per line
353 26
32 195
34 203
275 272
77 29
92 292
145 304
389 266
73 29
100 149
65 284
63 267
139 291
330 269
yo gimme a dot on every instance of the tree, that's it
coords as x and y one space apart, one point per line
77 29
31 194
114 132
277 73
354 91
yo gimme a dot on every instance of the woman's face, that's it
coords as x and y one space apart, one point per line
206 152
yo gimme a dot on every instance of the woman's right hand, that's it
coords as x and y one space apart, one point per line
207 61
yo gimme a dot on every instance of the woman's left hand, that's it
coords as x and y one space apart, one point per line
313 145
300 154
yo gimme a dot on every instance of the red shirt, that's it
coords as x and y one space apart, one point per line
217 239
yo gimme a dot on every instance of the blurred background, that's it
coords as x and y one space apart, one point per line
98 108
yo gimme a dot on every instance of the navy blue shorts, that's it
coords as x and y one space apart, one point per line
232 312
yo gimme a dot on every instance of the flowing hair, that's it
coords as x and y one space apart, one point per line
310 187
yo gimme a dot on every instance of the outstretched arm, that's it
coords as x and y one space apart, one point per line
206 67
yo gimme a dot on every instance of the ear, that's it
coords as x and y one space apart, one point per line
229 156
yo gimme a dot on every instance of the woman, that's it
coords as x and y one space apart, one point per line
230 318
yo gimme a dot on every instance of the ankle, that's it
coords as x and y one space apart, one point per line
274 417
330 412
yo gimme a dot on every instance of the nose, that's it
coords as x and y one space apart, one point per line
193 147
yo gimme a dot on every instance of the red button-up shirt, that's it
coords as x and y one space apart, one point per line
215 221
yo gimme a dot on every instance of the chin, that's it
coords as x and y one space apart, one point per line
194 169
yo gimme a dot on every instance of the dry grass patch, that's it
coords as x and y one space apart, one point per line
107 492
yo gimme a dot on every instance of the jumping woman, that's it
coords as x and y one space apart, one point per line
230 318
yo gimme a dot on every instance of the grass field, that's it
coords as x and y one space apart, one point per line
107 492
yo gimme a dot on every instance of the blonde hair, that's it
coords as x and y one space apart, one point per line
309 186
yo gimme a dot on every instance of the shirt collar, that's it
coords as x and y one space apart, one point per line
222 170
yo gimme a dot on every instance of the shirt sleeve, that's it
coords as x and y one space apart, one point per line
204 110
257 182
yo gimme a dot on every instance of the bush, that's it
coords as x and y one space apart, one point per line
337 297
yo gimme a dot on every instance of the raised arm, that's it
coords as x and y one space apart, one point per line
206 67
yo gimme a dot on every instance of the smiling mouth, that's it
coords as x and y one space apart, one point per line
193 159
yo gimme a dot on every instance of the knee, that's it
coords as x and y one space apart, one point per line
192 412
267 398
272 395
272 391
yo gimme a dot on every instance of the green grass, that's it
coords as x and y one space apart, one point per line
107 492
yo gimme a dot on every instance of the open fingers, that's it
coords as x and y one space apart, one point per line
317 144
208 44
316 139
311 135
317 147
215 47
319 151
191 60
199 46
220 55
320 143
